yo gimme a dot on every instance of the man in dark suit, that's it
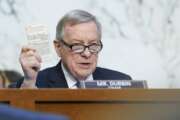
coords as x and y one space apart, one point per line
10 113
77 43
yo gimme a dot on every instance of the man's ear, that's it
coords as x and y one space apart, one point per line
57 47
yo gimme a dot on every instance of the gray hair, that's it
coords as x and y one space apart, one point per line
76 17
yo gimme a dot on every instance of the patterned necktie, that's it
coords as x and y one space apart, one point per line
78 84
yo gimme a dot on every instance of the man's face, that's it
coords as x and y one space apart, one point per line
80 65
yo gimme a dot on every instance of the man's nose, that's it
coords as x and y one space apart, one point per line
86 53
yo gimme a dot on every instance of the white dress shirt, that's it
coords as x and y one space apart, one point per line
71 81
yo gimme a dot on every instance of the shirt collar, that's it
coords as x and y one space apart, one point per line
71 81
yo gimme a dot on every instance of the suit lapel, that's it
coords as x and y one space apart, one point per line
96 76
58 79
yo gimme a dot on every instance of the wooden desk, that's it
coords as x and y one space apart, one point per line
99 104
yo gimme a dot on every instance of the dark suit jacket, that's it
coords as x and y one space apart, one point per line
54 77
9 113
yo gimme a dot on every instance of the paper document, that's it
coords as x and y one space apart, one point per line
38 38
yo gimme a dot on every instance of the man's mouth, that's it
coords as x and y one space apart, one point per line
85 65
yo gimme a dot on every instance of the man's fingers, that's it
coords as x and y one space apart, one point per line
28 52
38 57
26 49
32 62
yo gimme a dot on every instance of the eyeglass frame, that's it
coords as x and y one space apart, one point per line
84 46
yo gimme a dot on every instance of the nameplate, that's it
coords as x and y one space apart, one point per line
114 84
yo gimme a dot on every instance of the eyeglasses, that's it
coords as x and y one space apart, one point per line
80 48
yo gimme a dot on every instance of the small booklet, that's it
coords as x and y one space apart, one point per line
38 38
